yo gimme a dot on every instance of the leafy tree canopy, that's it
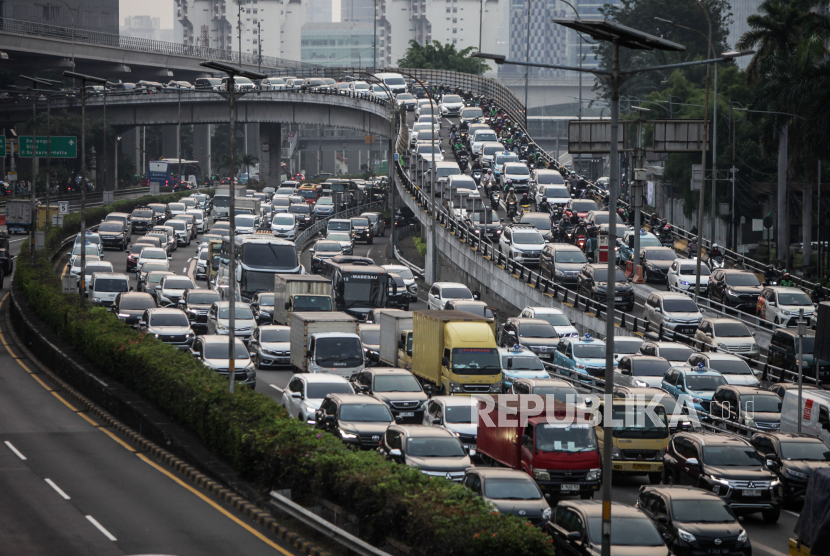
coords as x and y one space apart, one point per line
442 56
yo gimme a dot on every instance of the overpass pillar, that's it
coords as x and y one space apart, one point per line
168 141
268 151
328 164
131 146
201 147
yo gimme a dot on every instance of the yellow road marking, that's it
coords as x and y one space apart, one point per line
112 435
88 420
37 378
217 507
64 402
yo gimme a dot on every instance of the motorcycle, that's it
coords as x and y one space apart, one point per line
477 175
462 163
581 240
666 241
773 282
494 199
691 250
715 263
512 206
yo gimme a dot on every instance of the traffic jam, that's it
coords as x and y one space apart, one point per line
433 377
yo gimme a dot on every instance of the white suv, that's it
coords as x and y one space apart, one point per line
523 244
441 292
682 275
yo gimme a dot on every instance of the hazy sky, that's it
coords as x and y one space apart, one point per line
157 8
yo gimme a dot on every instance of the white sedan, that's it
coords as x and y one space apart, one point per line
305 392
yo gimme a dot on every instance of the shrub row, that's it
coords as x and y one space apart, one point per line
254 434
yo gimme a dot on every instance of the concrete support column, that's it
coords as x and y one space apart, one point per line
201 147
328 162
252 142
270 149
111 166
168 141
131 145
355 159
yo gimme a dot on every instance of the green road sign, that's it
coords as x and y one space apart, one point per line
62 146
3 149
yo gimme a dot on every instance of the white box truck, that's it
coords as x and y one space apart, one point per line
395 327
300 292
326 343
18 216
222 200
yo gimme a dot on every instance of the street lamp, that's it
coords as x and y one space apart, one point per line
619 35
232 72
84 79
72 16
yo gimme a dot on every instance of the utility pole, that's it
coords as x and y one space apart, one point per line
802 330
104 165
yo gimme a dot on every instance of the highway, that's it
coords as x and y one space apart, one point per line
71 487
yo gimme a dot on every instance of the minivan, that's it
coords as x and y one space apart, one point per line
106 285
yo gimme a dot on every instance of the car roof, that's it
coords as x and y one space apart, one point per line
659 344
500 473
706 371
718 356
453 284
385 370
423 431
708 438
544 381
528 320
594 508
742 389
716 320
545 310
794 332
354 398
785 289
670 295
642 390
787 436
136 294
680 492
658 248
640 357
320 378
216 339
455 401
165 311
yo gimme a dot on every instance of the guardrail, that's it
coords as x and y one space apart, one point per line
320 224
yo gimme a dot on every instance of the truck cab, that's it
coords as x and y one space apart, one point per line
335 352
405 349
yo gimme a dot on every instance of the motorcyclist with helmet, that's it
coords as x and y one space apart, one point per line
525 202
786 280
715 252
487 180
544 206
580 229
770 276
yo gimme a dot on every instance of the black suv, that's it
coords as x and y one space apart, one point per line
359 421
693 521
562 262
129 306
162 212
793 457
537 335
783 352
593 280
487 226
143 219
735 288
262 306
362 229
196 304
397 388
113 234
748 406
728 466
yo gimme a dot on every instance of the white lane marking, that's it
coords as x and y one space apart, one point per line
57 489
793 513
767 549
100 527
15 240
184 270
15 450
275 387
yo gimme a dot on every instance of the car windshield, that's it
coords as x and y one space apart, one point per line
594 350
702 511
371 337
110 285
308 193
511 489
339 352
427 148
111 227
798 299
742 279
364 222
691 270
521 363
570 256
242 312
731 330
601 275
153 254
339 226
203 298
814 451
220 351
179 284
541 222
319 390
90 250
660 255
456 293
565 438
435 448
677 353
266 299
284 220
142 214
138 302
488 217
760 403
275 334
325 201
625 531
404 273
704 383
450 99
555 319
528 238
650 367
181 225
169 319
312 303
669 403
401 96
502 158
339 236
627 346
365 413
516 169
460 414
156 277
584 206
472 113
564 394
729 367
554 192
327 247
680 306
636 418
532 330
396 383
150 267
299 209
732 456
92 268
176 207
486 136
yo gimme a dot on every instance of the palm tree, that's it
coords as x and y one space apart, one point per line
790 41
248 160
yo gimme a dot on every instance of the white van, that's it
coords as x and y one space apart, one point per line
814 413
395 82
105 286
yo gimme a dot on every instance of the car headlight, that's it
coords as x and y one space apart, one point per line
347 435
220 326
796 474
156 335
546 514
558 272
96 300
743 536
191 335
697 400
669 319
594 474
685 536
774 483
641 383
496 387
541 475
615 452
455 387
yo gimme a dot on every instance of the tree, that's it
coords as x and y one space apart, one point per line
441 56
248 160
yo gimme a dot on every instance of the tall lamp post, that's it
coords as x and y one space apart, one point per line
232 72
72 16
84 79
618 35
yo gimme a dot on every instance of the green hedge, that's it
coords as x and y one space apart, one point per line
254 434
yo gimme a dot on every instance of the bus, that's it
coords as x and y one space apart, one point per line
171 174
358 289
258 258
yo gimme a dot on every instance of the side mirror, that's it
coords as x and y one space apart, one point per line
297 395
395 453
476 295
131 288
287 305
525 439
142 323
311 250
625 372
574 536
658 310
662 519
692 462
445 361
436 421
771 303
400 344
770 463
509 362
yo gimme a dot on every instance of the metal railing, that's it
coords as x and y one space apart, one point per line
97 38
320 224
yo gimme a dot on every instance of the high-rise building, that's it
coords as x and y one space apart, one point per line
145 27
92 15
741 10
347 43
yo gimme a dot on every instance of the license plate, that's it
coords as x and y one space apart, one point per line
570 488
751 493
407 414
717 551
618 299
642 466
544 355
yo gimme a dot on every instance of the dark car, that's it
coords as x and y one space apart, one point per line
359 421
535 334
793 457
162 212
404 217
735 288
434 451
6 262
576 529
397 388
113 234
304 214
262 305
693 521
783 352
170 326
593 282
485 225
143 219
196 304
362 229
327 265
322 250
129 306
747 406
656 262
780 388
398 296
727 466
562 263
511 492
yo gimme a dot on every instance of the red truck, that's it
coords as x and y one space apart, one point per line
557 447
